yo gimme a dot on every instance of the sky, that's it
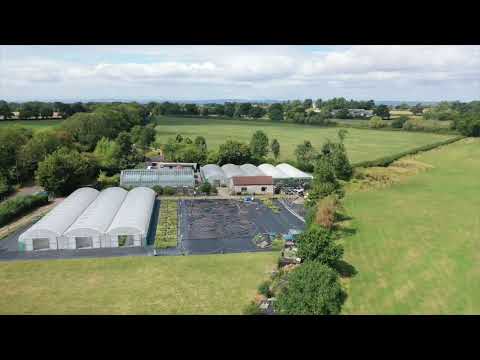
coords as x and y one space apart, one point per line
400 72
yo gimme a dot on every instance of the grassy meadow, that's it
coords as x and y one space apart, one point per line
204 284
361 144
417 245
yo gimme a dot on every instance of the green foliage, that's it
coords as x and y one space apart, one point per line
259 144
312 289
12 139
264 288
387 160
205 187
324 182
275 148
158 189
12 209
382 111
183 149
105 181
275 112
318 244
234 152
376 122
5 187
65 170
398 122
337 156
108 153
201 143
169 191
167 228
469 124
305 155
143 136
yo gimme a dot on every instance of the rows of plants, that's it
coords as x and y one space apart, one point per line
166 235
14 208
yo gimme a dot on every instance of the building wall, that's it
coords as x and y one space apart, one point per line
252 189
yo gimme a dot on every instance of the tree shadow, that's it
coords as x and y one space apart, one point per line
345 269
339 217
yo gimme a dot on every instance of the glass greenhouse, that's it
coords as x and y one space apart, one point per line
174 177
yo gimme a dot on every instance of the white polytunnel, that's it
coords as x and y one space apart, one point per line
272 171
232 170
252 170
130 225
47 233
89 230
213 174
293 172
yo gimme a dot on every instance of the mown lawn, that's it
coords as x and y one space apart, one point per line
32 124
361 144
417 246
207 284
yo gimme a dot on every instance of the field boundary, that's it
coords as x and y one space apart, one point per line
387 160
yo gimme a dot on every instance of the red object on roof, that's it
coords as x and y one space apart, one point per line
252 180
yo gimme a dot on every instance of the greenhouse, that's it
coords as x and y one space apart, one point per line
251 170
174 177
213 174
232 170
88 231
131 223
274 172
293 172
48 232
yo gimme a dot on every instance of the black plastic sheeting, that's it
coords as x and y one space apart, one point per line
228 226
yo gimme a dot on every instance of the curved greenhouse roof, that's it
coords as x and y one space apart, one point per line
251 170
133 217
212 173
272 171
64 214
99 214
232 170
165 176
293 171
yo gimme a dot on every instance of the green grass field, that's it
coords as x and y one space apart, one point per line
204 284
32 124
361 144
417 246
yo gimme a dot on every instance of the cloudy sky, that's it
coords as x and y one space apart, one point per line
428 73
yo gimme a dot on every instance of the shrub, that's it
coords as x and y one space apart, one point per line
206 188
311 289
158 189
398 122
264 289
252 309
168 190
469 125
376 122
105 181
11 209
318 244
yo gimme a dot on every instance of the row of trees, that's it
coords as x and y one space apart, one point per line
108 138
313 287
39 110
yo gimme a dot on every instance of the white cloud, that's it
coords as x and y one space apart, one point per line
285 71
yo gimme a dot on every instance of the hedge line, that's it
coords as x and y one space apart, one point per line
387 160
443 131
18 206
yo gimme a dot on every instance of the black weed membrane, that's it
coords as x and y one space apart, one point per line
229 226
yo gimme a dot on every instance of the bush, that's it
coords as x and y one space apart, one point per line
20 205
317 244
206 188
376 122
105 181
311 289
264 289
168 190
397 123
158 189
469 125
252 309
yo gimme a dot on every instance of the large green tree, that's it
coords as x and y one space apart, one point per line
234 152
259 144
311 289
324 182
275 147
318 244
382 111
275 112
305 154
65 170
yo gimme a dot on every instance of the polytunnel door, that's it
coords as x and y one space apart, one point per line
126 240
83 242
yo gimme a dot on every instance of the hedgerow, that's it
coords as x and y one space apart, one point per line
11 209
